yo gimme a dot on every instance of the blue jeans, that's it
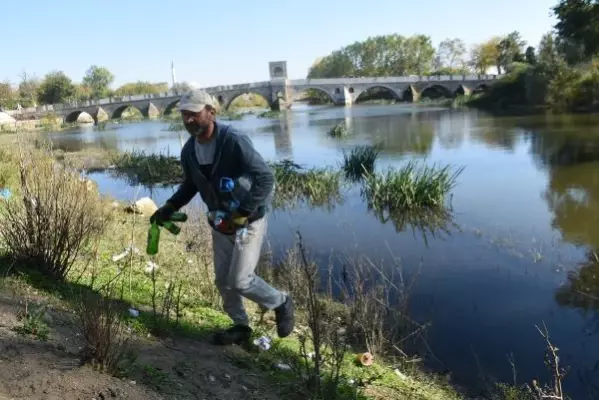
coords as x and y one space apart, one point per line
234 266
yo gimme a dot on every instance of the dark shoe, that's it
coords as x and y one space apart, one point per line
238 334
285 318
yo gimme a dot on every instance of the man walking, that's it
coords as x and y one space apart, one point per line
213 160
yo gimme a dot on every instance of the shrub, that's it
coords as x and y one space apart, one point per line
101 323
409 188
359 161
53 217
148 169
339 130
317 186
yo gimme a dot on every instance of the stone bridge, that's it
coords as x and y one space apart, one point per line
279 92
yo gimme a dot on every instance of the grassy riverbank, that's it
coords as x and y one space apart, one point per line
176 298
93 276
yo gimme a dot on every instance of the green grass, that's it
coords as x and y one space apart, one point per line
230 115
316 186
360 160
410 188
270 114
339 130
148 169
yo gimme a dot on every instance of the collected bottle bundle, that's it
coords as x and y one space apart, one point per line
154 232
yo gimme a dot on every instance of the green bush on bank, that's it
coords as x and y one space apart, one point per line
556 86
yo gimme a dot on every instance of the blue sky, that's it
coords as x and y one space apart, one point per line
232 41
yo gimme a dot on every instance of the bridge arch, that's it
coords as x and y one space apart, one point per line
483 87
171 107
366 93
436 91
299 91
74 116
118 112
226 102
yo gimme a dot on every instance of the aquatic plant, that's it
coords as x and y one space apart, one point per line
318 186
148 169
360 160
409 188
339 130
269 114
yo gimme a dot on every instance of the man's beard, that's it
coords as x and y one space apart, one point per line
195 129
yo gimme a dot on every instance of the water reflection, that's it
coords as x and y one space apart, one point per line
582 288
426 224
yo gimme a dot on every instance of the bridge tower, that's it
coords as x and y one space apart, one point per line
173 76
278 84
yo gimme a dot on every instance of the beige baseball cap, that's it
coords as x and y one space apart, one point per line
196 100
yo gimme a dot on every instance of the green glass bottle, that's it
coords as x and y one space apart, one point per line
172 228
179 217
153 239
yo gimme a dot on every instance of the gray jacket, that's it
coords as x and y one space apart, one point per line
235 156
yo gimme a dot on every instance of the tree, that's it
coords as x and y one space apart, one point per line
28 90
384 55
578 23
82 93
140 87
98 80
547 50
484 55
181 87
56 88
530 55
7 96
509 50
451 54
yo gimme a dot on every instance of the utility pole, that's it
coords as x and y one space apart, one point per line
173 73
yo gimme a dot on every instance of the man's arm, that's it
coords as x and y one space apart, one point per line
262 176
186 191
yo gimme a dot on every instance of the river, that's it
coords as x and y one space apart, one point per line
526 209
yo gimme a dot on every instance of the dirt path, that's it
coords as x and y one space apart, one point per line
169 369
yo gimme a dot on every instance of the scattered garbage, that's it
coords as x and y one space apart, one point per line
365 359
283 367
400 374
133 312
5 193
150 267
263 343
125 253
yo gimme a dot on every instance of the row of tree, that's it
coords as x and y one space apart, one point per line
397 55
56 87
564 73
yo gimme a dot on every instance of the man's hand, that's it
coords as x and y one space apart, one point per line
163 214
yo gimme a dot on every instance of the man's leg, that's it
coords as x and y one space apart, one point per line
243 279
223 247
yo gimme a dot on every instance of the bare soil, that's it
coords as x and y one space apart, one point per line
164 369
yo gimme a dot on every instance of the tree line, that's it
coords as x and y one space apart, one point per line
563 74
397 55
56 87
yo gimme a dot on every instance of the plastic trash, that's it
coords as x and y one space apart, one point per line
133 312
283 367
264 342
150 267
5 193
128 250
365 359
